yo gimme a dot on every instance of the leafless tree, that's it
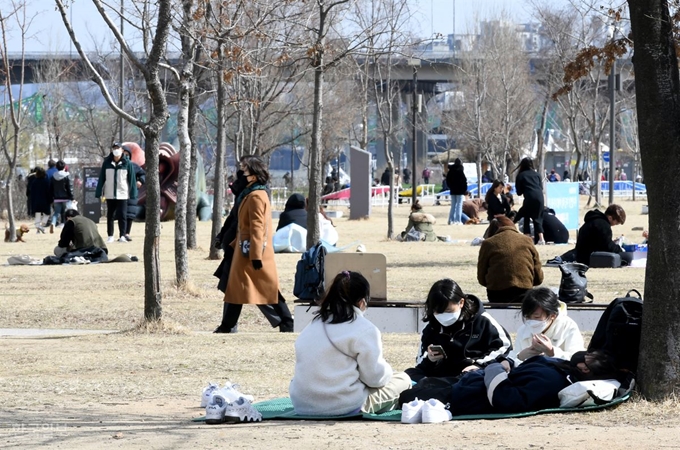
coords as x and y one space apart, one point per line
156 37
12 119
499 102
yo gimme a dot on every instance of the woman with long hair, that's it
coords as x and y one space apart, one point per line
530 185
496 201
339 364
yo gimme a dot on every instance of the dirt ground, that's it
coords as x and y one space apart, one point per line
140 389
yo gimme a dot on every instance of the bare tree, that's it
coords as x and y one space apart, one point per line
151 129
498 99
11 121
386 92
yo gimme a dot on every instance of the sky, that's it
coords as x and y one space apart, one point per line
47 32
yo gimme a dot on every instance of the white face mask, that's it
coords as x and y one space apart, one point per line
117 153
536 326
447 318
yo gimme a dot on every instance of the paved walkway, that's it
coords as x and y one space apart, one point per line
47 332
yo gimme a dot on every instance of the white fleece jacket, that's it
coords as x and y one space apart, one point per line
330 381
564 334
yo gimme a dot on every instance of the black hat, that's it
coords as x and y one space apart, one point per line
116 145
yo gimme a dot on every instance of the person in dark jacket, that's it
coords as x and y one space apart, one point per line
457 182
39 197
277 315
532 386
596 233
62 193
469 337
385 177
553 229
294 212
496 201
132 207
530 185
508 264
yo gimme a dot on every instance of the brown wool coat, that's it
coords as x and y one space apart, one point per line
247 285
509 259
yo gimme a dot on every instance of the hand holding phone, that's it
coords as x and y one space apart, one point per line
435 352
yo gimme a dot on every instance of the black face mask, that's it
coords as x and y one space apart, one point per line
239 184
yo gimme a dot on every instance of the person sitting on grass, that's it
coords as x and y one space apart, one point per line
420 222
459 336
79 234
339 363
547 330
595 235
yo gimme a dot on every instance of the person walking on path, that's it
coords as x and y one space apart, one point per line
253 278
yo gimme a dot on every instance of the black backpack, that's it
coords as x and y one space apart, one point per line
309 274
574 284
618 331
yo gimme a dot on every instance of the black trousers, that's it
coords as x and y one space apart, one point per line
277 314
532 208
116 209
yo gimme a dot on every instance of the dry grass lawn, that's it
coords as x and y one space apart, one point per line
139 388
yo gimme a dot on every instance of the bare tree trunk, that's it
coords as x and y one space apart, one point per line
218 182
657 88
315 166
192 193
181 254
186 90
153 309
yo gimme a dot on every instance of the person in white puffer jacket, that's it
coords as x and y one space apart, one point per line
339 363
547 330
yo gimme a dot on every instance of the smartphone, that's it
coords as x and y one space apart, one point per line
437 349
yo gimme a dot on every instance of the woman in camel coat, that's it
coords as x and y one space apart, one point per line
253 279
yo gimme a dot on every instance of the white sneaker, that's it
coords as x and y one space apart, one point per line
412 412
207 393
122 239
110 239
231 393
434 411
241 410
214 412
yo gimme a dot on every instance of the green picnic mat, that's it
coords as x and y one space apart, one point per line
282 409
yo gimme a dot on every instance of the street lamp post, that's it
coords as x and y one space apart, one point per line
416 109
612 120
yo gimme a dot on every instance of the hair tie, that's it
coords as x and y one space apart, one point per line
345 274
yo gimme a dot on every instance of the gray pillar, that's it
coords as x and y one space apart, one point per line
360 192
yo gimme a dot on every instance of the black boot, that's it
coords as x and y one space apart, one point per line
223 329
286 326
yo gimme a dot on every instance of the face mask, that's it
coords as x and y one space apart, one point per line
117 153
239 184
447 319
536 326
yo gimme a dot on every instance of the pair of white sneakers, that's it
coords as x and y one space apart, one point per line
227 404
419 411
